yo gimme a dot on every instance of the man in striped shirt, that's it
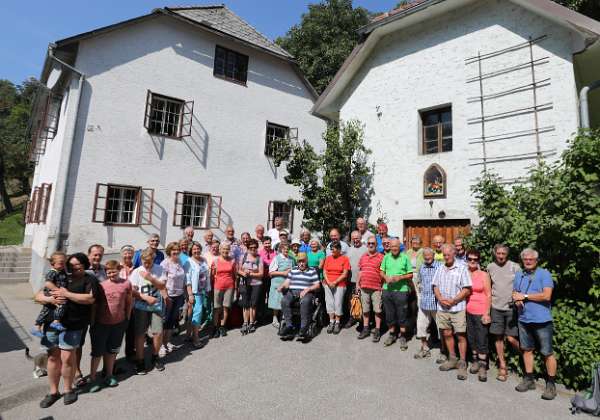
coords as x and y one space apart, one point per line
301 283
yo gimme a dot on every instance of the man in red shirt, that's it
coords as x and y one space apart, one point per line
369 282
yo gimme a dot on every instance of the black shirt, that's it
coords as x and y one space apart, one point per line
77 316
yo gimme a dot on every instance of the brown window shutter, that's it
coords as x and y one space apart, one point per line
178 209
187 115
270 216
214 212
46 190
100 201
145 206
148 110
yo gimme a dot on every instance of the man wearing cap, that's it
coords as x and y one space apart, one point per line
276 230
301 284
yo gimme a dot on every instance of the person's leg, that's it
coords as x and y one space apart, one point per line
54 368
499 344
67 372
402 311
365 302
389 308
225 316
528 361
95 362
422 324
109 362
286 307
306 309
329 303
139 347
340 293
448 335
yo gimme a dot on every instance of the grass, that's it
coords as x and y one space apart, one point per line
12 228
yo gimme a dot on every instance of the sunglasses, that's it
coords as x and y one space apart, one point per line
473 259
371 243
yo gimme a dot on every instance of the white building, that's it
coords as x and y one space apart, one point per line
446 88
159 122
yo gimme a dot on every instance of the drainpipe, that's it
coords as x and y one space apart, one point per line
584 104
63 170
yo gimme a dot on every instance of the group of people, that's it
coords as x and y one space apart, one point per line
143 298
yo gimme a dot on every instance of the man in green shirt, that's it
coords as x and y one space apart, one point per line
396 272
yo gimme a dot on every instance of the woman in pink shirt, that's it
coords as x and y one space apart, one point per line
478 315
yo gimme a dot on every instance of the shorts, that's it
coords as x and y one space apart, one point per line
173 312
532 332
65 340
504 322
250 295
370 299
395 305
424 321
107 338
477 334
452 320
147 322
223 298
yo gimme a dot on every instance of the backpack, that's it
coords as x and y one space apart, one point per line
356 307
589 402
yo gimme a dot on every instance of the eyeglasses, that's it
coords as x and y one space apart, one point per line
371 243
473 259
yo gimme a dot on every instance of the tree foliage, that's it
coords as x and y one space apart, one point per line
589 8
335 185
556 212
324 38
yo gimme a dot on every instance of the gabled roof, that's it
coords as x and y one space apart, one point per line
418 11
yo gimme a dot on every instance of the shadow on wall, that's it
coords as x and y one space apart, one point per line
159 222
12 332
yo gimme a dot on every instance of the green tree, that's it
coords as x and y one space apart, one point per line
324 38
589 8
335 185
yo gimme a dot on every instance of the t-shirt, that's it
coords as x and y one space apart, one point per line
503 278
225 274
438 256
183 258
247 262
142 285
334 267
113 304
532 283
137 257
396 266
300 280
315 258
304 247
477 301
450 281
197 276
369 266
354 254
77 316
174 277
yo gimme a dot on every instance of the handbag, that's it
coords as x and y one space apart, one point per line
157 307
356 311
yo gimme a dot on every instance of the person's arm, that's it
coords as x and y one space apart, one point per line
261 270
129 303
487 290
41 298
49 285
342 277
462 295
284 285
438 295
321 262
156 282
544 296
80 298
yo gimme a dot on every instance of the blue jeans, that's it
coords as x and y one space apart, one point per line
529 333
64 340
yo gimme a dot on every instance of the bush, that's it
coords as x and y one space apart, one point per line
557 212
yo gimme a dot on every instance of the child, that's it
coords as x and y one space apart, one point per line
55 278
112 317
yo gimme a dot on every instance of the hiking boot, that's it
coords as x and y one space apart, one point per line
330 327
391 339
549 392
252 327
303 333
474 368
462 370
449 364
364 333
376 335
402 342
423 354
442 358
337 328
482 374
49 400
525 385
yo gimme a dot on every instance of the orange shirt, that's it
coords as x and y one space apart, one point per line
334 267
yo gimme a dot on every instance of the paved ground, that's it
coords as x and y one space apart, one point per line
258 376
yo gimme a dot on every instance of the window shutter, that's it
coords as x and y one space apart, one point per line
100 200
146 206
28 212
293 135
270 216
187 115
178 209
45 202
291 218
35 216
148 111
214 212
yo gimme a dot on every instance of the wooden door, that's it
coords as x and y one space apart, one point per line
427 229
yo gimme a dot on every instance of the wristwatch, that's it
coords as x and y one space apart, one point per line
525 297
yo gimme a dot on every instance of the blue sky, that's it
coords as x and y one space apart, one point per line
28 26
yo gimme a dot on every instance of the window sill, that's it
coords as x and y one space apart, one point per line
121 224
165 136
229 79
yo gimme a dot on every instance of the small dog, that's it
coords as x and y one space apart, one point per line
40 363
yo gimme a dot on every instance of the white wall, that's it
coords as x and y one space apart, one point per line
224 156
423 67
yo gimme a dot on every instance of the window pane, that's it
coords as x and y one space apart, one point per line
430 146
430 118
431 132
447 129
194 210
447 144
446 116
121 205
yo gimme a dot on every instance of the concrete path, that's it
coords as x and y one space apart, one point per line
261 377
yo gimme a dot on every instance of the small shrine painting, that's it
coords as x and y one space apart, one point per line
434 182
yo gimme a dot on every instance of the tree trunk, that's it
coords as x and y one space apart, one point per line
25 187
3 193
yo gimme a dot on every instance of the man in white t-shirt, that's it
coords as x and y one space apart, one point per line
274 232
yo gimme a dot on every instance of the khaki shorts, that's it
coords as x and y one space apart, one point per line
147 321
370 298
452 320
223 298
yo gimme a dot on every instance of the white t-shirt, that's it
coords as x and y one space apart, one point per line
142 285
274 235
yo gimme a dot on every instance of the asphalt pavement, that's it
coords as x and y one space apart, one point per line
261 377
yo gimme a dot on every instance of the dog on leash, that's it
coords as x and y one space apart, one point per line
40 363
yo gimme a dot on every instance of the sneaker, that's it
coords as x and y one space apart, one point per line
275 324
163 351
402 342
482 374
330 327
111 381
158 364
337 328
549 392
252 328
526 384
244 329
376 335
364 333
442 358
171 347
56 325
462 370
70 397
223 331
288 332
391 339
423 354
474 368
140 368
49 400
303 333
39 333
216 333
449 364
